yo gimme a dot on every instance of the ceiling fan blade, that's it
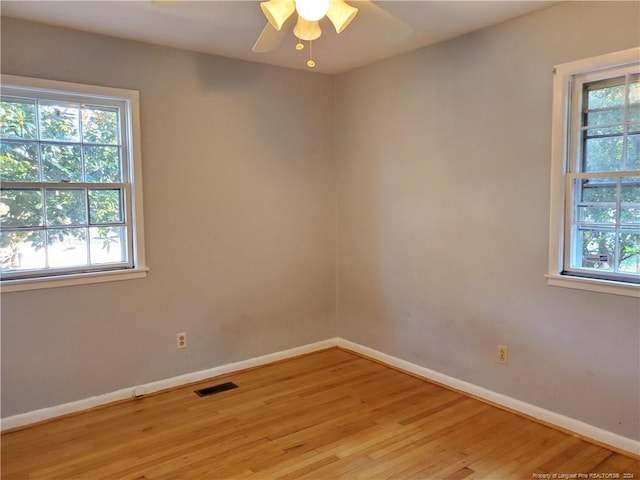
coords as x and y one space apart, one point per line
270 39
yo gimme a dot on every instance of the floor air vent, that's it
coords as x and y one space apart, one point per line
223 387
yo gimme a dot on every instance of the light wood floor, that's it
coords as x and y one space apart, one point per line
327 415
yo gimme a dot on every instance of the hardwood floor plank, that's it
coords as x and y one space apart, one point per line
327 415
615 463
460 474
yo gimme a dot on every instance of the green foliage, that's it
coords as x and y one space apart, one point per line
18 119
102 164
604 117
36 153
21 208
601 196
59 121
61 163
105 206
602 242
100 125
66 207
610 145
19 162
109 237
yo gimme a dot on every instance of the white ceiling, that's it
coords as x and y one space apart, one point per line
230 28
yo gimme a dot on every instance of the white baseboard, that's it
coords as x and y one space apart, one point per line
566 423
576 426
35 416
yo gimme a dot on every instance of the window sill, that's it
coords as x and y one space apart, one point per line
593 285
9 286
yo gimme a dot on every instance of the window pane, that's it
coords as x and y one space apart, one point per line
601 131
102 164
108 245
597 200
634 89
605 117
630 214
597 214
598 189
595 249
630 190
630 198
22 250
105 206
59 121
630 252
100 125
603 154
18 118
21 208
66 207
609 96
61 163
67 247
633 152
64 165
19 162
634 114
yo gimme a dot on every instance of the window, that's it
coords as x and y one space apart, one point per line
70 200
595 218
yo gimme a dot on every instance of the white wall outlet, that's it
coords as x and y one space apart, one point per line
181 340
503 355
138 392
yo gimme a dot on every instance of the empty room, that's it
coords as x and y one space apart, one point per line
327 240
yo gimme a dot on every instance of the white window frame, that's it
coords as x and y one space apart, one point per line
560 167
133 163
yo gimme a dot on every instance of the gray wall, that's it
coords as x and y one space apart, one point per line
443 216
239 217
442 189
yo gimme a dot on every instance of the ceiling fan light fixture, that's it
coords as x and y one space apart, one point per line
306 30
341 14
312 10
278 11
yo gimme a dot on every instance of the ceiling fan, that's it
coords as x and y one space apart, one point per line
305 17
308 14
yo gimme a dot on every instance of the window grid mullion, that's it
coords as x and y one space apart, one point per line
81 138
62 185
570 243
123 143
87 239
625 127
46 229
574 188
38 140
602 135
45 235
112 106
616 265
625 138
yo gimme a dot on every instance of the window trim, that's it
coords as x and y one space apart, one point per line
134 165
560 146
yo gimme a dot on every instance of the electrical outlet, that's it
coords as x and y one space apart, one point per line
503 354
181 340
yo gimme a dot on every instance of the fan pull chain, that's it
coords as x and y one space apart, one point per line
300 46
310 62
